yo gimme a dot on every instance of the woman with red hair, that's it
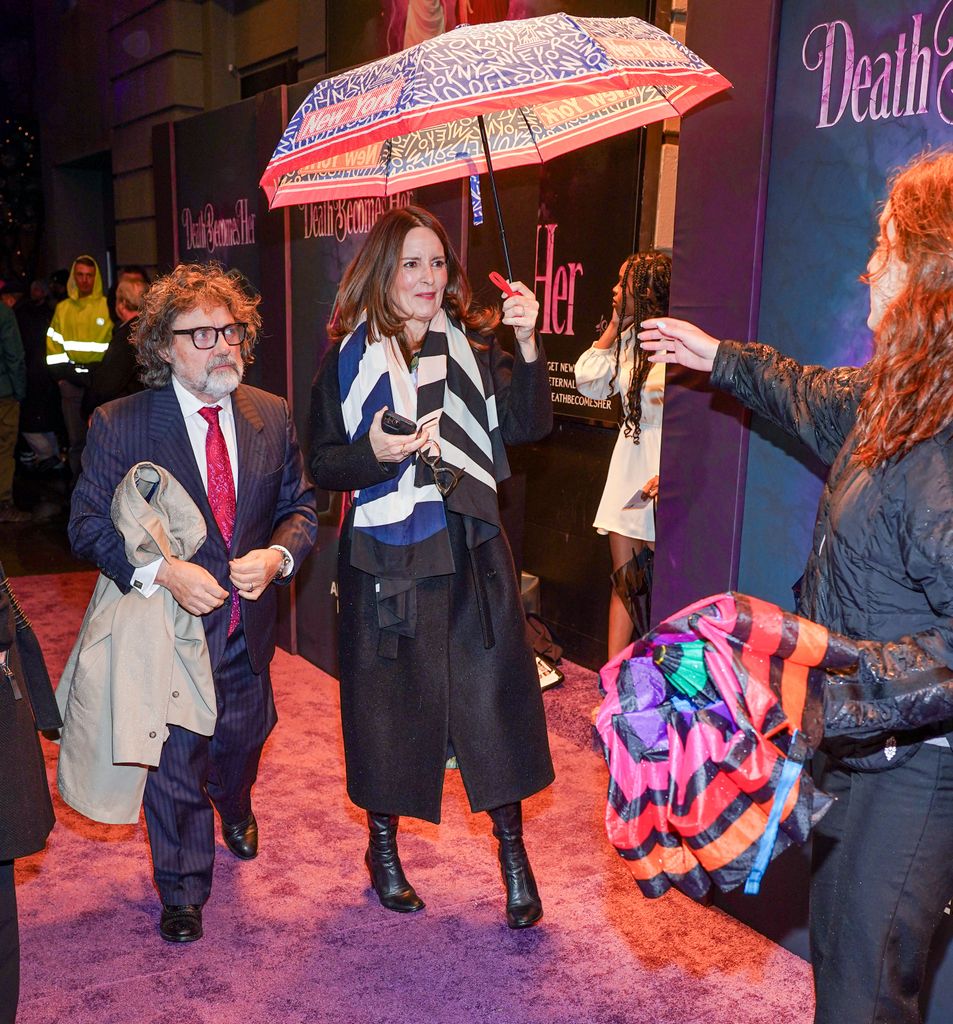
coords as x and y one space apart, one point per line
880 571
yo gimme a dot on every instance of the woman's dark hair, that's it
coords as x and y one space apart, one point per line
910 398
646 276
367 281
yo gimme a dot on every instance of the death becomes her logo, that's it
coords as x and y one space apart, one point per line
207 230
911 80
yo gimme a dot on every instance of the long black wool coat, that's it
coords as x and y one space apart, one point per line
26 812
468 677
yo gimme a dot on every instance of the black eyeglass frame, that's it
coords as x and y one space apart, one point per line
438 467
190 331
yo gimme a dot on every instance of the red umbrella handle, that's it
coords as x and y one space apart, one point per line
500 281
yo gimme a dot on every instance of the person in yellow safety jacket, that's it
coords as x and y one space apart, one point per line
78 337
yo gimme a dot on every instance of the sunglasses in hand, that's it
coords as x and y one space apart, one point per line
445 477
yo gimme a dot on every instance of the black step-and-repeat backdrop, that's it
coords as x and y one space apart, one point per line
587 214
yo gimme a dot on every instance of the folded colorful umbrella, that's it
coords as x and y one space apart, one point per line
706 725
635 738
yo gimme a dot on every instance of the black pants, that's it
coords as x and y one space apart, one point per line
9 946
882 874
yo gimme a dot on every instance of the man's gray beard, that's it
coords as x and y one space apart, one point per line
219 384
215 384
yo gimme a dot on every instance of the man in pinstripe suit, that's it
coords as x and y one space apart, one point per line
233 448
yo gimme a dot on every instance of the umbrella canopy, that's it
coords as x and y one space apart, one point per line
541 86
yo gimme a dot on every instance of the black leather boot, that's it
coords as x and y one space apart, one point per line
383 865
523 905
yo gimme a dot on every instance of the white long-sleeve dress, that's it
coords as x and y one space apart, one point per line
632 465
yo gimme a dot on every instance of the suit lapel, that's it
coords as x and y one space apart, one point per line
251 454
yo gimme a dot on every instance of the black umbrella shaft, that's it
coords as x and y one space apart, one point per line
496 198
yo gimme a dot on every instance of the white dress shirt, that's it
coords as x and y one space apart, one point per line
198 429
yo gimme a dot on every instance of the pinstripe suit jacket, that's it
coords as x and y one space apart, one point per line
275 501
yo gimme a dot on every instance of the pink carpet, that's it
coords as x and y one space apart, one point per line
296 935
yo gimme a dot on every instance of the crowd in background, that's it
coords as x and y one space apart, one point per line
65 349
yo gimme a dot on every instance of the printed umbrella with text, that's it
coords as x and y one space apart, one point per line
498 95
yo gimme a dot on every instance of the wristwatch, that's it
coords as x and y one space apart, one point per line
286 562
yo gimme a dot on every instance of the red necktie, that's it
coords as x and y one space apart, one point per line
221 491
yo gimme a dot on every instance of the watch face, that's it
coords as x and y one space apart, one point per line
285 566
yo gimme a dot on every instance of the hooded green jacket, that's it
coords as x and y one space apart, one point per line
81 330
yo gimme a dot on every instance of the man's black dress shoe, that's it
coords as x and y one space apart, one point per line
181 924
242 839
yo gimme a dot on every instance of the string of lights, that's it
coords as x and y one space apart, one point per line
21 198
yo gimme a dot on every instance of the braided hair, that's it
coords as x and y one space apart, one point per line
646 276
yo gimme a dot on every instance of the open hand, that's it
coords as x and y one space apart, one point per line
677 341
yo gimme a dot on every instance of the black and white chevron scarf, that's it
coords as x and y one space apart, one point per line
399 530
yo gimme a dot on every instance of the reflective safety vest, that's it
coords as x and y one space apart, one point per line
79 333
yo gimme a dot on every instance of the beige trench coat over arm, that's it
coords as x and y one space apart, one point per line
139 663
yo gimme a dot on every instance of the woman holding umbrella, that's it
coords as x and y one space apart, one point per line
434 659
880 571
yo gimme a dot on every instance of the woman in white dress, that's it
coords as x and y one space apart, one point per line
616 365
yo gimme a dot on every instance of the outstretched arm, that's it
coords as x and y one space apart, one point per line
811 403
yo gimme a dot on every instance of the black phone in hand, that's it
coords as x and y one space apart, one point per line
394 423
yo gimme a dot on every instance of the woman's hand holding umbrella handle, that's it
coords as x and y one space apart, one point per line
521 311
677 341
395 447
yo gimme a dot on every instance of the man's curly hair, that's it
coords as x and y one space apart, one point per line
190 286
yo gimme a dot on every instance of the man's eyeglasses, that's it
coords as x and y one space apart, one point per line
445 477
207 337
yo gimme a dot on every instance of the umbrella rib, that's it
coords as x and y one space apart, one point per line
532 134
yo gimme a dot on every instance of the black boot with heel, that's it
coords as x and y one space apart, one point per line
383 865
523 905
